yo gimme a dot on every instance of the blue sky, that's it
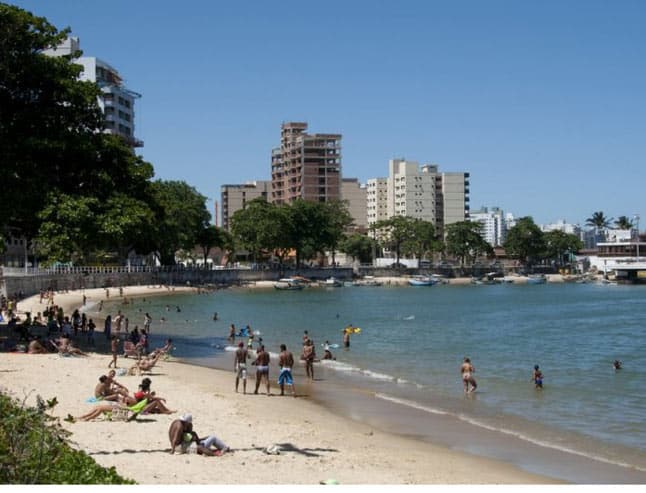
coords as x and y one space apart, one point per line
544 103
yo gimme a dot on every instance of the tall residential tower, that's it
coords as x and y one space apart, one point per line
305 166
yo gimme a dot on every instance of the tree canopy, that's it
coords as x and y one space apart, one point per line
525 240
464 240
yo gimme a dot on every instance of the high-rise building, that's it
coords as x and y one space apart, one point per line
376 200
493 224
419 192
411 190
305 166
116 101
354 194
236 197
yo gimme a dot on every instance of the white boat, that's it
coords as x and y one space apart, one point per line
422 281
367 281
288 284
332 282
536 279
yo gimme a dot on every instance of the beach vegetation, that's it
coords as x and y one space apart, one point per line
35 449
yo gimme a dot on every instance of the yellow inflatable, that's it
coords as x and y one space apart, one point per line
352 330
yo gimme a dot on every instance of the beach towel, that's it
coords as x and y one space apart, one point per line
92 399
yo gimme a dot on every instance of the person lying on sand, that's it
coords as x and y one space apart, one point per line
144 364
66 347
36 347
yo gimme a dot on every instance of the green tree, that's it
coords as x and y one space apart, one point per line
424 240
464 240
181 214
622 222
558 243
358 246
525 240
210 237
337 221
396 231
598 220
307 227
255 225
48 120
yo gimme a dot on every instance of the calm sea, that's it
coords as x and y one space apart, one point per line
402 371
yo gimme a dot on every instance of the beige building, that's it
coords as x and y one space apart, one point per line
376 200
235 198
305 166
354 194
418 192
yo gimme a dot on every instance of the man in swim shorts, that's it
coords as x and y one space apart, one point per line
262 368
286 363
467 370
537 377
240 366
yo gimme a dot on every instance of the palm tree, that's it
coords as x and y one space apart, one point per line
598 220
623 222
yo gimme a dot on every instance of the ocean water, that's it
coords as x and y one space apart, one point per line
408 355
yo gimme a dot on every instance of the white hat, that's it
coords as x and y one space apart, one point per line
187 418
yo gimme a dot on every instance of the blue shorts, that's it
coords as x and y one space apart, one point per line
285 377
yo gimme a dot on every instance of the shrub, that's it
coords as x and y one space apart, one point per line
34 449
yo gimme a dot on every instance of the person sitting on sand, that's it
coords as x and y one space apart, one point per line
180 433
36 347
327 354
156 404
103 390
165 349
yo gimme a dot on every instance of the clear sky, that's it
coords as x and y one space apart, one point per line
544 103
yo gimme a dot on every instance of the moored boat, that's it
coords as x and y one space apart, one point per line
288 284
422 281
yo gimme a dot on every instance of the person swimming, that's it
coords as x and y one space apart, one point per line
617 365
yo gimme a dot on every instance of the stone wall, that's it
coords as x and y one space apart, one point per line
32 284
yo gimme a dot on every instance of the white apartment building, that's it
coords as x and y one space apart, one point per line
116 101
355 195
493 224
376 200
236 197
561 225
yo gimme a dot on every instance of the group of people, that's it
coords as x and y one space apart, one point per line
261 362
115 396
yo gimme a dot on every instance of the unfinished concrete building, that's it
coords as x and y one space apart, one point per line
305 166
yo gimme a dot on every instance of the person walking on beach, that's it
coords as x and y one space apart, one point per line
114 347
107 327
467 370
262 368
240 366
286 363
537 377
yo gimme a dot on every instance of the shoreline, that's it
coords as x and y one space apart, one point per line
317 443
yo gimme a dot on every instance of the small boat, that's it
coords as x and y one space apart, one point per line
367 281
288 284
536 279
422 281
332 282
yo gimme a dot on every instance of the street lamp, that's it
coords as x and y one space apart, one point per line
636 218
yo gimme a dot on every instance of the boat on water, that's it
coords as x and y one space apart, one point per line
422 281
536 279
332 282
367 281
288 284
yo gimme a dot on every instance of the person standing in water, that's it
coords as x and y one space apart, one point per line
537 377
467 370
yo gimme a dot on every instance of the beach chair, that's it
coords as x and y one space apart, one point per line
123 413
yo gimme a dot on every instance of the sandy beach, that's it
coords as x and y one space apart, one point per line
316 444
